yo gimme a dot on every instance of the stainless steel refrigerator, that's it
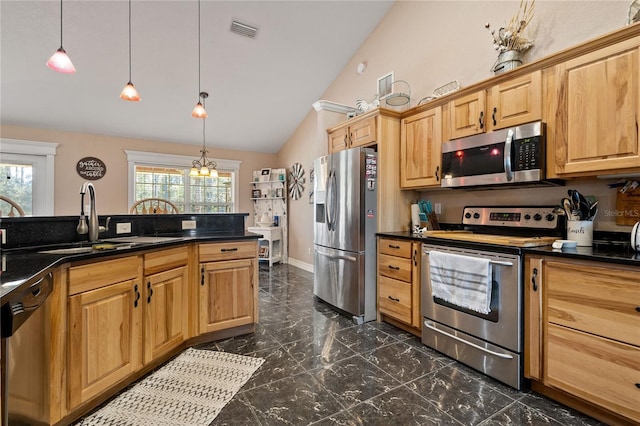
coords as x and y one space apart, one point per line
345 217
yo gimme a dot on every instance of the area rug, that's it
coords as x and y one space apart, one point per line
190 390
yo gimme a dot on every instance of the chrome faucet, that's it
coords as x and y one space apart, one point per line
93 229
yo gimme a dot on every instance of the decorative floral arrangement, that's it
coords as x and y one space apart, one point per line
510 37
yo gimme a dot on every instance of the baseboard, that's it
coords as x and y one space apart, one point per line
300 264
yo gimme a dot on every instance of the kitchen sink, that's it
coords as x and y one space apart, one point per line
68 250
142 240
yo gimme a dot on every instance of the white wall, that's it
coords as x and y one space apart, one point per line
430 43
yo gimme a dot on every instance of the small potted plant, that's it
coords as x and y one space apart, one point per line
509 41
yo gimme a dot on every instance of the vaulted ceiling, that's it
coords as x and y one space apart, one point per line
259 88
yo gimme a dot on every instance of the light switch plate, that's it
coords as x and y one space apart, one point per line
123 228
188 224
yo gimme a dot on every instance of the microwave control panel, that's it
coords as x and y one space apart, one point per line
528 153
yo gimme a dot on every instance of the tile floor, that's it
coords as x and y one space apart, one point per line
321 369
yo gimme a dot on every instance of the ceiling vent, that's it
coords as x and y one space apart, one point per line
243 29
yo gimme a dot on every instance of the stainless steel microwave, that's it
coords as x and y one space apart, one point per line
507 156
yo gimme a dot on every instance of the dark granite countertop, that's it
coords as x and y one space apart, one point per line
614 256
21 267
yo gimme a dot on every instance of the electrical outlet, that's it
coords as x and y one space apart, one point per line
3 232
123 228
188 224
437 208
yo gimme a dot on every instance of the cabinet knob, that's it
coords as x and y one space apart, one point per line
533 279
230 249
394 299
481 119
493 116
149 292
202 276
394 247
437 171
395 268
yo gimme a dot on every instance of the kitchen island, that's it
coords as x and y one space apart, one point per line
118 310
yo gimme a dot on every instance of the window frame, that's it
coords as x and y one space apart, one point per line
41 155
155 159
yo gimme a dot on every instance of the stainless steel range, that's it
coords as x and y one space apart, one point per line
475 315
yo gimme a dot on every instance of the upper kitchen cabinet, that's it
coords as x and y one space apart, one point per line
359 132
420 149
509 103
591 110
380 129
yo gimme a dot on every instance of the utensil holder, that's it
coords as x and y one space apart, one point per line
580 231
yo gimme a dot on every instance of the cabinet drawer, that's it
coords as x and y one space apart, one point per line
394 298
595 300
98 274
228 250
395 267
163 260
598 370
394 247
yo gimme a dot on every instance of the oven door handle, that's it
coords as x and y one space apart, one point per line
493 262
499 355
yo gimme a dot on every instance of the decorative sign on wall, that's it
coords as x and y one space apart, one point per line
297 180
91 168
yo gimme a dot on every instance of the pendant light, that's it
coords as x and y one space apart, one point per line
60 61
129 93
199 111
203 166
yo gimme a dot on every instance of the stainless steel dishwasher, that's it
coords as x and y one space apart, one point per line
24 334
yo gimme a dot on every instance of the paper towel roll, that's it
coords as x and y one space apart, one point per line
415 215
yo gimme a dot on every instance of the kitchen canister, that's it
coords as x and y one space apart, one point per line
580 231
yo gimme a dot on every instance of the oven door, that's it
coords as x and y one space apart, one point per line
502 326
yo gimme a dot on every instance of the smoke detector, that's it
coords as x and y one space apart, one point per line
243 29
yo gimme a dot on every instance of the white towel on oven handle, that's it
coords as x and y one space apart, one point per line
464 281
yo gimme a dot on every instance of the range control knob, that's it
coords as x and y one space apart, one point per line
527 216
467 215
550 217
537 216
476 215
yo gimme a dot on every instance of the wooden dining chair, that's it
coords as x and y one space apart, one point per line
153 206
14 208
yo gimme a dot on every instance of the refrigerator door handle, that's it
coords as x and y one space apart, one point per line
328 201
334 201
336 256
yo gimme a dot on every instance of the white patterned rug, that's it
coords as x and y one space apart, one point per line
190 390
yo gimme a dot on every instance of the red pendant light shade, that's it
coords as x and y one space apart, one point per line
60 61
129 93
198 110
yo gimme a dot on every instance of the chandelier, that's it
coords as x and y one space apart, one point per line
203 166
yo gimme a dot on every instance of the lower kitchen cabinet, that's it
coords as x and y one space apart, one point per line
582 334
399 283
105 326
228 288
165 301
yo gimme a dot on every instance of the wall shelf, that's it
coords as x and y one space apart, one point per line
269 197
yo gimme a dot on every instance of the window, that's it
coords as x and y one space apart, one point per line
167 176
26 174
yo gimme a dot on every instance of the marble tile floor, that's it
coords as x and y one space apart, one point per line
322 369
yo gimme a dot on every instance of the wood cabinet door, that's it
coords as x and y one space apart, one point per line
339 140
600 93
362 132
421 149
104 339
165 306
467 115
533 339
516 101
226 294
